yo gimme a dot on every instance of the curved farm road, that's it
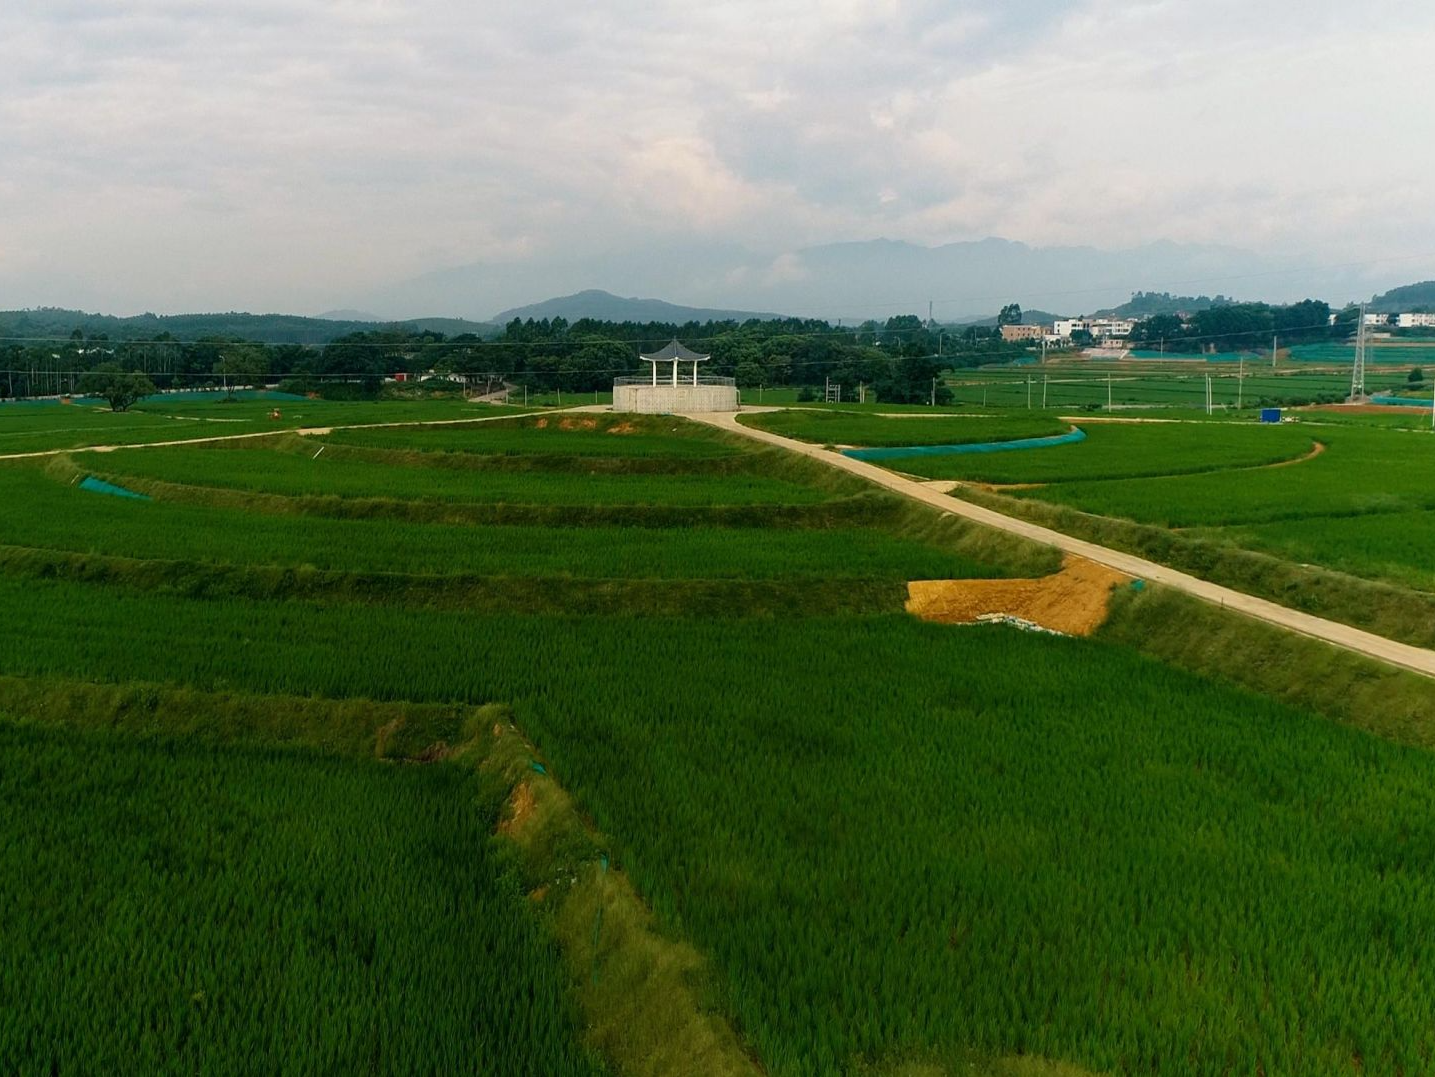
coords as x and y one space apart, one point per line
1416 659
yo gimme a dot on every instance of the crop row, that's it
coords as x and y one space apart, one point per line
44 514
315 473
1395 546
577 434
177 907
831 427
1362 471
932 839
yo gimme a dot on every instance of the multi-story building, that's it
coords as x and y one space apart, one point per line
1023 332
1416 320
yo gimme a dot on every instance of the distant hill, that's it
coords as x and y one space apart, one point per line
1028 317
57 322
604 306
1145 304
1419 296
349 316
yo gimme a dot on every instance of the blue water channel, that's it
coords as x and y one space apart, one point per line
902 452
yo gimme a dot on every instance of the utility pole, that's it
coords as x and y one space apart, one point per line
1274 341
1028 393
934 392
1044 379
1108 390
1241 386
1357 374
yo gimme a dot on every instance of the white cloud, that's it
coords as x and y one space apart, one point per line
169 153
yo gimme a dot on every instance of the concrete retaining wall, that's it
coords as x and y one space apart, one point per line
663 399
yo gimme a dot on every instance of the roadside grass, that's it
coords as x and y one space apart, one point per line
1395 546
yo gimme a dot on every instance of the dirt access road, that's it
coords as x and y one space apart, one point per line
1416 659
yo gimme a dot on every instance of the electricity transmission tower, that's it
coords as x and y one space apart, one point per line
1357 375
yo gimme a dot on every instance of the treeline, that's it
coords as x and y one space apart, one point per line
897 360
1244 326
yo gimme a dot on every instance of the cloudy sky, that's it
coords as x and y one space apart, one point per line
298 155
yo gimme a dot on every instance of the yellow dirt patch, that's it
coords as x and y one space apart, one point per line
1316 449
622 428
541 424
578 424
1073 601
520 806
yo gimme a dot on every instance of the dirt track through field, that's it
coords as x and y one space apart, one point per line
1415 659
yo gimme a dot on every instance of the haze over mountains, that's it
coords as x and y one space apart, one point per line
879 278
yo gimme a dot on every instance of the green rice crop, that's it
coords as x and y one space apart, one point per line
41 513
576 434
39 429
1124 450
993 850
176 907
1363 471
1177 384
286 473
1395 546
856 428
47 427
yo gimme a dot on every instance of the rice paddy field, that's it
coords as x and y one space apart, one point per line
27 427
1093 385
252 823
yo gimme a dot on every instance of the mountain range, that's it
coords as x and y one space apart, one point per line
877 278
604 306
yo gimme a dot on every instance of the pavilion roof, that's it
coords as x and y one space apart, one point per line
673 350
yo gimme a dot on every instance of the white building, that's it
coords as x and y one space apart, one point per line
1099 328
1377 319
1413 320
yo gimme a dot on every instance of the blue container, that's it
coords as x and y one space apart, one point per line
1270 415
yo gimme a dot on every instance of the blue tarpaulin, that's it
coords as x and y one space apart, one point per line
954 450
99 486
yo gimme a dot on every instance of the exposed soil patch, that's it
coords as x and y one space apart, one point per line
578 424
520 806
1073 601
1315 450
622 428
